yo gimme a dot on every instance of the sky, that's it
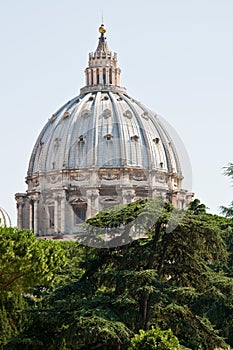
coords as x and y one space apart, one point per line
176 57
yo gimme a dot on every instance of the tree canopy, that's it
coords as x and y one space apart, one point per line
177 277
228 211
26 261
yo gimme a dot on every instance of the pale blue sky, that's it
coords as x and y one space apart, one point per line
176 57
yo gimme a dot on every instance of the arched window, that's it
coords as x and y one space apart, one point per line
51 216
98 76
110 76
79 214
104 76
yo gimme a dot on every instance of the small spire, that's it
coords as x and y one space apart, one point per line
102 16
102 45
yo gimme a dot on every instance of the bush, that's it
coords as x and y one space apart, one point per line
155 339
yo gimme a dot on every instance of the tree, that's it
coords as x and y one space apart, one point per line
70 318
196 207
174 279
228 211
166 274
25 260
154 339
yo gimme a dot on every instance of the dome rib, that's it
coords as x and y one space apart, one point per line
174 151
36 152
77 127
141 131
4 218
56 149
114 97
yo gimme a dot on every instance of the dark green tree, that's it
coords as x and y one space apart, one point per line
228 211
196 207
176 277
165 274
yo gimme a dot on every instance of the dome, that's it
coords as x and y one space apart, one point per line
104 129
100 149
4 218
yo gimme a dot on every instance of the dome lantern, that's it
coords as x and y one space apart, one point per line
102 71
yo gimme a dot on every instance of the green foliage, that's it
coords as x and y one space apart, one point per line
154 339
76 322
178 277
13 316
196 207
118 215
228 211
26 261
117 223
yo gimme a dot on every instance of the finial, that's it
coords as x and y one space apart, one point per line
102 30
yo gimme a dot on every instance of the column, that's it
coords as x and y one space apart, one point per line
31 214
118 72
94 77
20 204
101 76
56 228
63 215
107 76
113 76
36 224
20 215
89 77
89 204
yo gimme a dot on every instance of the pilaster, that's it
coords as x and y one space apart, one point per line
92 202
128 195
